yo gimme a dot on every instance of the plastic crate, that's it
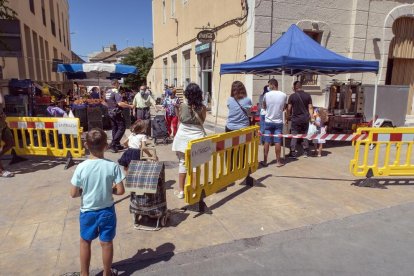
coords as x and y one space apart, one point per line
43 100
18 100
16 110
83 117
41 110
127 117
95 124
94 114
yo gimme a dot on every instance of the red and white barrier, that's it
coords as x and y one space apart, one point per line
393 137
329 137
232 142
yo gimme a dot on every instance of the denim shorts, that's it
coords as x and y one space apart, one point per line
274 129
100 223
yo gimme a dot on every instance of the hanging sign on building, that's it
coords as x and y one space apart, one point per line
206 36
202 48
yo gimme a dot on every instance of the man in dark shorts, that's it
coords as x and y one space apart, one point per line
7 137
300 110
115 110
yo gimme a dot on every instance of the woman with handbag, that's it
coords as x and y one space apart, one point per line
239 107
192 114
239 113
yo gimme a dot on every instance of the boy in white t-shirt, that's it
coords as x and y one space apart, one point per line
274 103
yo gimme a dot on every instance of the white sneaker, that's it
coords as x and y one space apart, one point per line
180 195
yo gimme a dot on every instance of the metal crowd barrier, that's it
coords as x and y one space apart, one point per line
58 137
214 162
384 152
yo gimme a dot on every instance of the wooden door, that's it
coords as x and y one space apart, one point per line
403 73
402 51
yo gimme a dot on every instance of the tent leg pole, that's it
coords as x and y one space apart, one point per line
217 105
374 109
284 119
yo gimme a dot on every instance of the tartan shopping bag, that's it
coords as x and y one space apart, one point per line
145 180
145 177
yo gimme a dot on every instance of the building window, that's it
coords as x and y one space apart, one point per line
173 8
42 58
164 71
164 17
55 56
52 18
67 34
29 52
60 31
52 25
310 79
63 27
32 7
43 13
174 70
36 55
186 68
48 61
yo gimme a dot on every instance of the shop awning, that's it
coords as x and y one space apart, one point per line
96 70
296 53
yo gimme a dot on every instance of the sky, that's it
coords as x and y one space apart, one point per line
98 23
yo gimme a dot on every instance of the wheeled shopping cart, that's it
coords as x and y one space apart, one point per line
145 180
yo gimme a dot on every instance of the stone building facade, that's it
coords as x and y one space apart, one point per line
45 35
359 29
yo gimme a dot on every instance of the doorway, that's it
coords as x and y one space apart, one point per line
401 58
206 78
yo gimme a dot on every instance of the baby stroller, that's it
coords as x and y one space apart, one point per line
145 180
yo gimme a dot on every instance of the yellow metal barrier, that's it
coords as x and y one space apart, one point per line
216 161
58 137
384 152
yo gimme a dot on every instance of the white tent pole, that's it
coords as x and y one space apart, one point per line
284 115
374 109
217 105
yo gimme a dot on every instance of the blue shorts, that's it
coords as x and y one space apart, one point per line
274 129
100 223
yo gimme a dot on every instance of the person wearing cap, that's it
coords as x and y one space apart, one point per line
116 105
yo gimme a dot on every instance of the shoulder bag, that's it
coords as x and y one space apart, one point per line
304 106
199 120
244 111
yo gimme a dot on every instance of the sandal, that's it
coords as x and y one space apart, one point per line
6 174
263 164
279 165
114 272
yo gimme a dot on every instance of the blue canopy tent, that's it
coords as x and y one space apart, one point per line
295 53
96 70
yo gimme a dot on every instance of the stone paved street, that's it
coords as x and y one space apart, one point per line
39 221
